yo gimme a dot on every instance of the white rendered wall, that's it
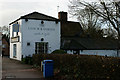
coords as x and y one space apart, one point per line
31 32
100 52
18 44
97 52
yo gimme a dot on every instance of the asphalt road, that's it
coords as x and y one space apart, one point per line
15 69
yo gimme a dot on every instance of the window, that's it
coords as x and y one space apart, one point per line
42 22
41 47
16 33
14 50
26 20
42 39
56 21
15 29
12 34
28 43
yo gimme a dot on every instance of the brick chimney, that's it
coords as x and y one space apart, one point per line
62 16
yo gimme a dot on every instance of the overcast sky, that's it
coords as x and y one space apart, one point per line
11 10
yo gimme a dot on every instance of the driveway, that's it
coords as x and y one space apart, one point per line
15 69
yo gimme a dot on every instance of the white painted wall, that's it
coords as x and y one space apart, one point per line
29 34
30 31
100 52
96 52
18 57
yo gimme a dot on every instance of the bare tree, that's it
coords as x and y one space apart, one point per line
109 33
85 15
88 20
4 30
107 11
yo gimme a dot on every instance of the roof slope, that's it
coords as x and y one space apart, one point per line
89 44
37 16
69 28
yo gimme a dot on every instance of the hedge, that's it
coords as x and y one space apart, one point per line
59 52
70 66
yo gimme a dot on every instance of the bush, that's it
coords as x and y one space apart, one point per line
27 60
59 52
82 66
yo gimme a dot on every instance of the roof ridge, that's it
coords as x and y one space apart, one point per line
37 13
39 16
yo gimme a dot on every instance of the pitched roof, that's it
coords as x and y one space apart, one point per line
89 44
37 16
69 28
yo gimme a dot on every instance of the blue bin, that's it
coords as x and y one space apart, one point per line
47 68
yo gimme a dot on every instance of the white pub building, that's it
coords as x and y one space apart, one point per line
37 33
34 33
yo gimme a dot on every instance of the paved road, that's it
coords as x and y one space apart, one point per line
15 69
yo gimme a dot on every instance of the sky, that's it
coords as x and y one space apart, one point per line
11 10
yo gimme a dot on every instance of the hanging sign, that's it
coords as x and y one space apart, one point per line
15 27
15 39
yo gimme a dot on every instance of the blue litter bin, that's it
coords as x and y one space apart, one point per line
47 68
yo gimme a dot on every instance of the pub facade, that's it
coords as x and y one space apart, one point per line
32 34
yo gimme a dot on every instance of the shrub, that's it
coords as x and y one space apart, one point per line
27 60
81 66
59 52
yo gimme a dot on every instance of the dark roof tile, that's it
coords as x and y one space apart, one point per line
36 16
69 28
90 44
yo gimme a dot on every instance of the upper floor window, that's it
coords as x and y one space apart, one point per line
15 29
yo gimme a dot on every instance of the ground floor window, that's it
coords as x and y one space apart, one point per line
41 47
14 50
